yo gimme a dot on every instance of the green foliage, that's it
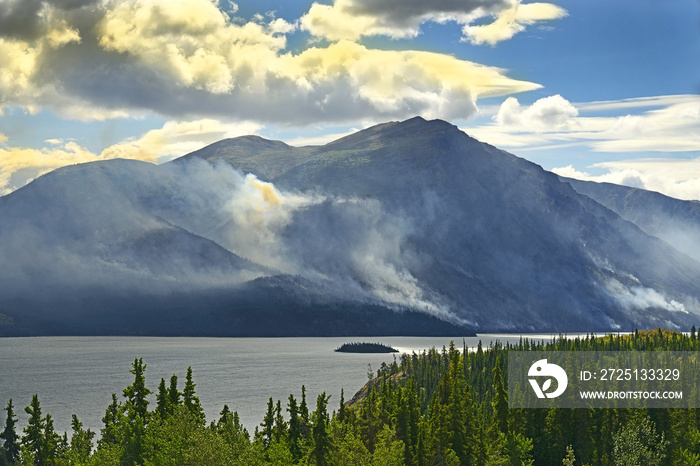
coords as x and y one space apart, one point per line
637 443
136 394
321 438
9 451
446 407
570 458
81 443
190 400
33 440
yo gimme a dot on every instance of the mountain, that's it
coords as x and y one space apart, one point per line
406 227
675 221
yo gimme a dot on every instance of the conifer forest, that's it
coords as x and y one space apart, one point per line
443 406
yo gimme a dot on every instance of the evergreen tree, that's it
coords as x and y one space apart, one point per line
33 438
322 443
230 429
38 443
81 442
162 401
280 430
268 424
9 451
137 416
190 399
500 400
54 447
389 451
304 416
137 393
294 437
341 407
109 433
173 394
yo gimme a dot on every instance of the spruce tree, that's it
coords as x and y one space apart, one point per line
304 415
190 400
294 434
341 408
137 415
109 433
268 423
33 437
500 400
10 447
173 394
280 429
162 401
137 393
81 442
322 441
54 447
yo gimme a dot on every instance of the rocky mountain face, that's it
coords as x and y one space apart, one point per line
675 221
404 228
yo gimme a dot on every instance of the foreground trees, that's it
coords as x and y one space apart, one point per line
444 407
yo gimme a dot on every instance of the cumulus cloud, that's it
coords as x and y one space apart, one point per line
664 124
669 124
187 59
177 138
679 178
511 21
547 114
18 166
352 19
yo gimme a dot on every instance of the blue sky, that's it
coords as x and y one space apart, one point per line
594 89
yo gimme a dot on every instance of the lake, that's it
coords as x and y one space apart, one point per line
77 375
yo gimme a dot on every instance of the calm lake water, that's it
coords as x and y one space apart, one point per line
77 375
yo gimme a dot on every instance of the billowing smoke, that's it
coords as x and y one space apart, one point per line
354 243
641 297
196 225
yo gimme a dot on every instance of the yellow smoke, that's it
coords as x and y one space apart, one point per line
268 191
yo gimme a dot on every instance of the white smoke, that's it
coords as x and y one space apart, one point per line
640 297
355 243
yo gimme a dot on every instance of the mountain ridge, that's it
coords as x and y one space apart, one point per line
396 228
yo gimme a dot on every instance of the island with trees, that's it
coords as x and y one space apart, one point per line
361 347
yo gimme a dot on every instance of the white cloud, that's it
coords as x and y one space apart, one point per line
677 178
512 21
187 59
353 19
668 125
175 139
664 124
547 114
18 166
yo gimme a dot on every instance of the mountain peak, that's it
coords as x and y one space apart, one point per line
388 132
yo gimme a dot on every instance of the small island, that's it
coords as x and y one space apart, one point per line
358 347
